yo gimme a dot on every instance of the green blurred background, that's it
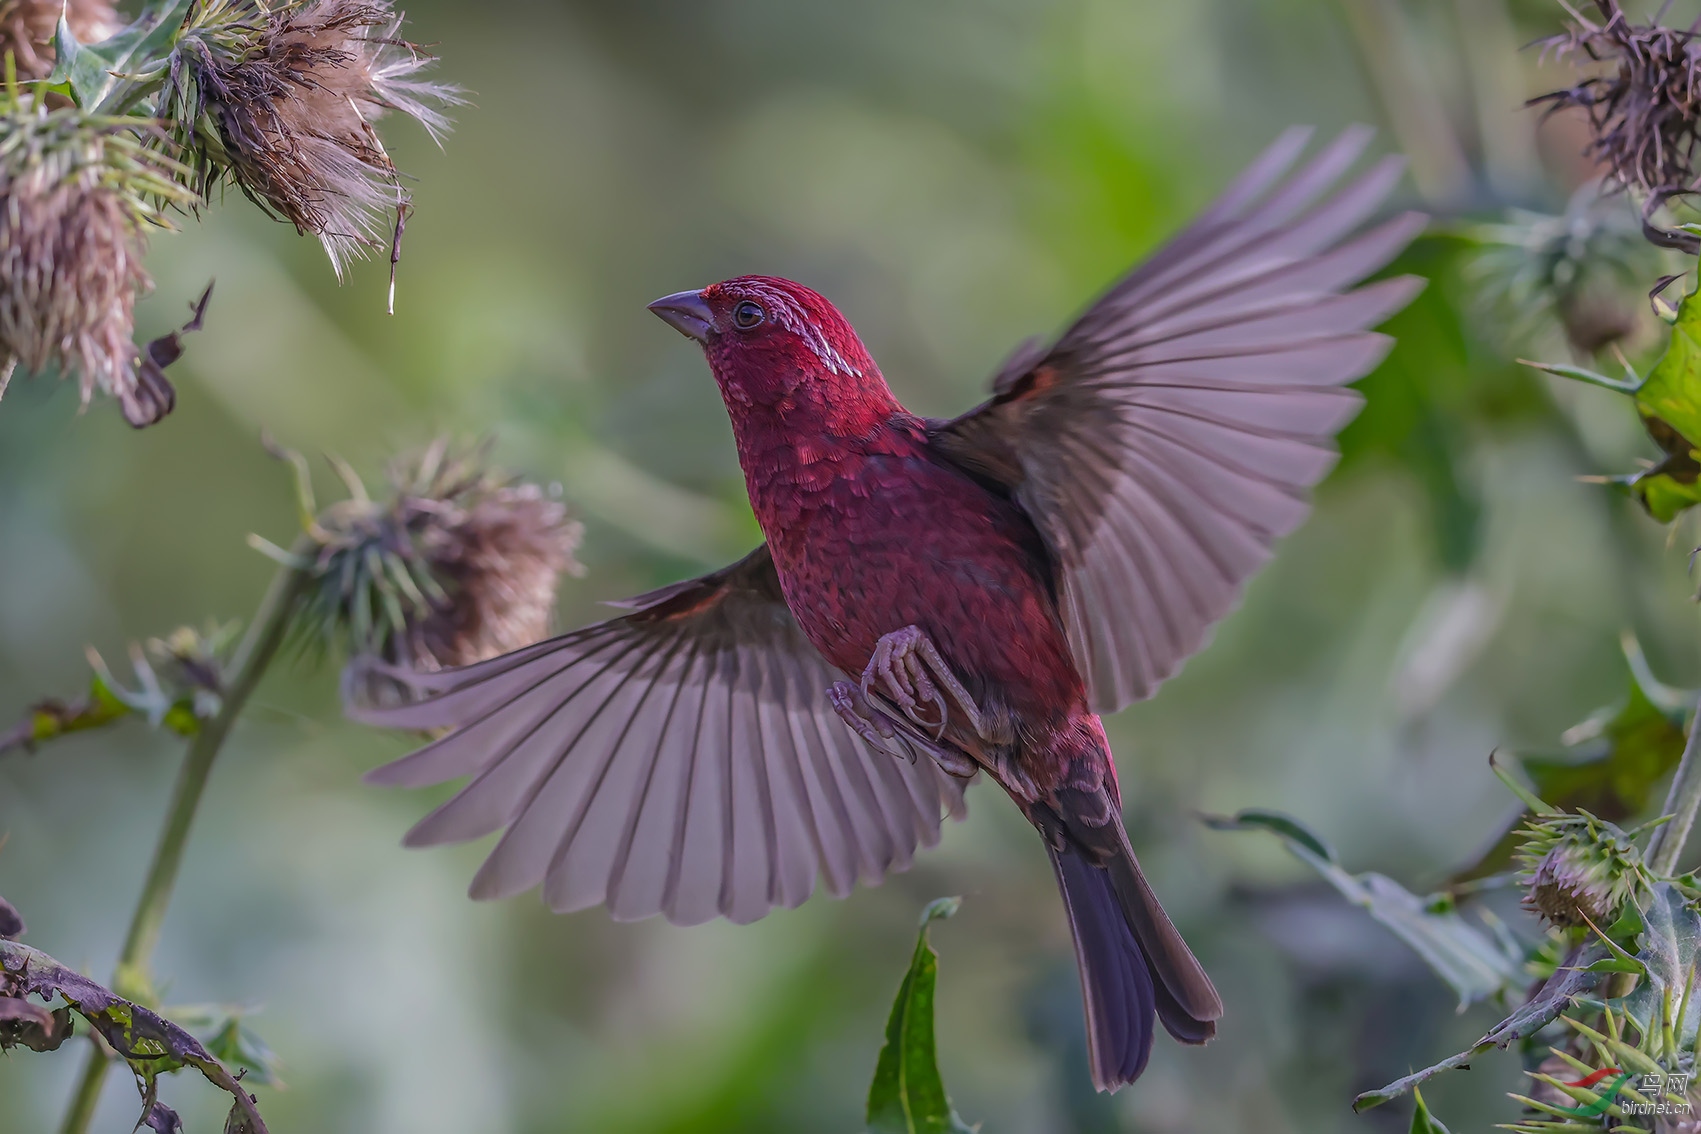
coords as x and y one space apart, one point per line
956 175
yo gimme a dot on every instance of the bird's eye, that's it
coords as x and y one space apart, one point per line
748 316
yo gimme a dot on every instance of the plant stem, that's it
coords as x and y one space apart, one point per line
259 646
1682 803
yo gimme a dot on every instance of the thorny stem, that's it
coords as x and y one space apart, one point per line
1682 803
259 646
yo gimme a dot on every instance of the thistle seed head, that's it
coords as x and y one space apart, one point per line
1644 103
77 195
282 100
27 28
1579 870
459 565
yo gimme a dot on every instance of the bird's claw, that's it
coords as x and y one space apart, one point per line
866 719
908 670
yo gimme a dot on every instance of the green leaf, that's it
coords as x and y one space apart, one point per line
1475 962
908 1095
1672 392
91 72
1424 1122
229 1040
1620 753
1667 953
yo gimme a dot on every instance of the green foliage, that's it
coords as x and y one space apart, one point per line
1669 402
225 1033
1422 1121
908 1094
109 76
179 680
1639 744
1476 962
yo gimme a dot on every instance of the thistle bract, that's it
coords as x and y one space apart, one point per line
459 565
78 194
1582 270
1579 870
27 27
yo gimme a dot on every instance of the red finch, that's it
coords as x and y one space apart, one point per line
972 592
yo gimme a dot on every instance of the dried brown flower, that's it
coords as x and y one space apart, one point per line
77 195
459 565
290 93
27 27
1643 109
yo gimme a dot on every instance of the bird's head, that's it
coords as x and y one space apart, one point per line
774 344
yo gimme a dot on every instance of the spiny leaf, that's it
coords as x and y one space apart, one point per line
908 1094
91 72
1669 402
1474 962
1622 751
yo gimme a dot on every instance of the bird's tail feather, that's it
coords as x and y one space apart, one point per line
1135 967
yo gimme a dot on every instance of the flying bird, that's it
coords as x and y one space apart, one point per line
939 598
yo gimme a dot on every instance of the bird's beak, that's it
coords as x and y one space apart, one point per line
686 312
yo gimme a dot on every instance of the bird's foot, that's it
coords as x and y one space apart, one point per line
875 725
866 719
910 672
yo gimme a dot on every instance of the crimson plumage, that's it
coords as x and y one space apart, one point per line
989 583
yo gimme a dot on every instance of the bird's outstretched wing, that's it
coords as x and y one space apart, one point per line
682 759
1170 437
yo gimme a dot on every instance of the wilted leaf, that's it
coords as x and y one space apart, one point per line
50 719
1474 962
149 1042
163 1119
908 1095
1424 1122
1555 995
33 1025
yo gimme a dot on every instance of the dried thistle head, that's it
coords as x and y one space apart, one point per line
1579 869
281 99
27 28
1643 108
458 565
78 194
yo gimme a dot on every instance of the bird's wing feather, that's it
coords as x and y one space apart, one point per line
1171 435
681 759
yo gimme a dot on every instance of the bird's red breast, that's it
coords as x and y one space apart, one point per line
870 533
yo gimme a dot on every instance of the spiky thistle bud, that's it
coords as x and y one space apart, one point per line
281 100
1578 869
1643 107
27 27
1582 271
78 194
459 564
